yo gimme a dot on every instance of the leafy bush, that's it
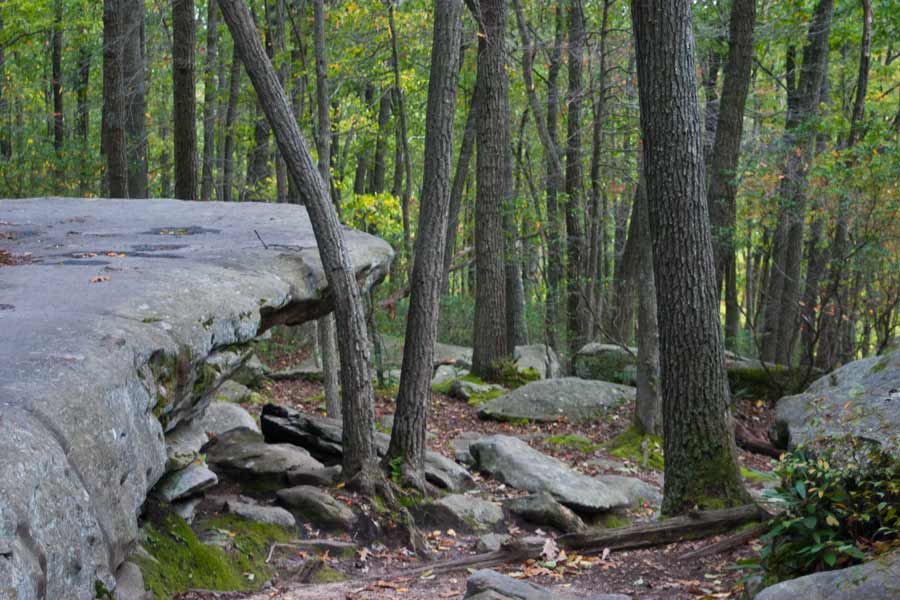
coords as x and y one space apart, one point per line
839 504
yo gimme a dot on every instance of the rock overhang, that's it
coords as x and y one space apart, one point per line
112 309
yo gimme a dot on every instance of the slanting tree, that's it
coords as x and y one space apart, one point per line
184 106
407 445
492 138
701 458
114 102
357 394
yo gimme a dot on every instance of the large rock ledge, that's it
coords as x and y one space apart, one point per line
117 325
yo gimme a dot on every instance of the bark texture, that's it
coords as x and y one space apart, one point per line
114 102
135 78
184 105
207 184
701 466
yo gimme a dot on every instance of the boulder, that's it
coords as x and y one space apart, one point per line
253 373
464 390
272 515
446 373
491 542
460 446
326 477
322 437
515 463
463 512
186 509
877 579
135 295
242 455
491 585
540 357
549 400
130 583
317 507
221 417
861 398
187 482
232 391
183 444
542 509
606 362
638 491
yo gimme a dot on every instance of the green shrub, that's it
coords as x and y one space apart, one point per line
839 503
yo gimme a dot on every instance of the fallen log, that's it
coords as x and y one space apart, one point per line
746 440
732 541
697 525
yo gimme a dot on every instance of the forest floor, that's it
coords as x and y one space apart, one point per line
378 571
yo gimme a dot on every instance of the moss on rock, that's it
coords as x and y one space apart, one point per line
631 445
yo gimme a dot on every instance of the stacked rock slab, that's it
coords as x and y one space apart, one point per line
107 328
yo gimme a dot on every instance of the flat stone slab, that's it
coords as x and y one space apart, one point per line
877 579
548 400
106 329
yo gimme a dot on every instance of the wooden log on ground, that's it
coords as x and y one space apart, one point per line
732 541
746 440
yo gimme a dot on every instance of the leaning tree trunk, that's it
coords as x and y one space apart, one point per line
725 154
114 102
228 162
492 127
701 457
466 147
408 437
184 100
357 395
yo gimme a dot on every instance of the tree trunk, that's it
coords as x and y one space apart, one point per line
413 398
459 181
184 100
492 134
711 114
404 134
114 102
330 365
82 114
56 42
135 73
5 142
379 166
356 385
210 90
701 457
647 404
725 156
228 165
277 24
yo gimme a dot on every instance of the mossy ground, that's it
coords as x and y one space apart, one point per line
576 442
181 561
630 445
475 399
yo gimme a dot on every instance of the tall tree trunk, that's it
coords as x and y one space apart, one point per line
783 294
114 102
466 146
408 436
356 385
492 135
59 131
228 165
82 114
184 100
277 24
134 68
701 458
400 106
362 158
725 157
576 294
379 165
711 114
210 91
647 402
5 141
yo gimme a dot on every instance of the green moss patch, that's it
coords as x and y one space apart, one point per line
760 476
180 561
630 445
576 442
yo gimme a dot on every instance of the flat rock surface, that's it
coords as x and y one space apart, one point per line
551 399
106 285
518 465
878 579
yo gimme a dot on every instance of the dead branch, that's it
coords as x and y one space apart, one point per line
732 541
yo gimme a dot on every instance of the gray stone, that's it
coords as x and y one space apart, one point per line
540 357
232 391
130 583
242 456
551 399
392 353
878 579
319 508
491 542
322 437
446 373
636 490
253 373
326 477
95 373
186 509
460 445
860 398
464 390
515 463
272 515
487 584
221 417
464 512
542 509
187 482
606 362
183 445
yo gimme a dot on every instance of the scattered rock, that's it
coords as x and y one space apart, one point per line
317 507
491 542
262 514
221 417
446 373
232 391
859 398
326 477
253 373
542 509
183 445
606 362
540 357
186 509
187 482
551 399
636 490
243 456
464 390
130 583
463 512
878 579
460 445
322 437
515 463
491 585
